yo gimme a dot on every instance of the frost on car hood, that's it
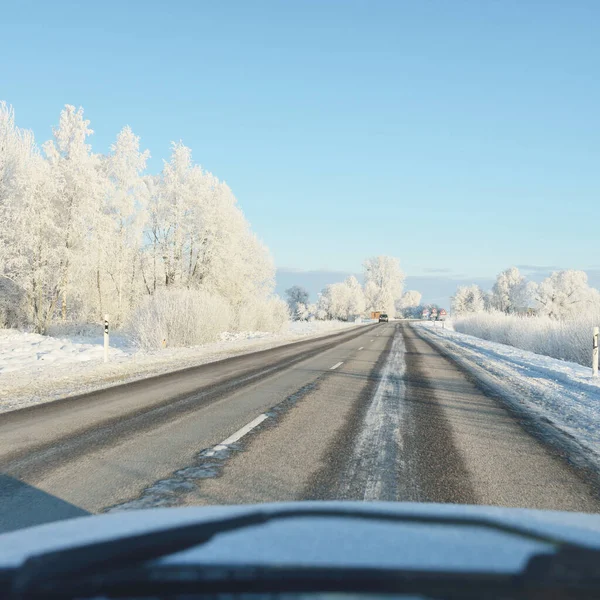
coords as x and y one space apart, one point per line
327 541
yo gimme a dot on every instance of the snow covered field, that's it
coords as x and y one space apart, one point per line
36 368
566 339
559 392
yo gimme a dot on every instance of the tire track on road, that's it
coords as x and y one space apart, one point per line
370 471
369 461
430 450
398 446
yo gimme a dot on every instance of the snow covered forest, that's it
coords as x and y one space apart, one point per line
170 257
554 317
86 234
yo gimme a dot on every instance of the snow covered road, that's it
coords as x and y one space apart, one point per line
375 413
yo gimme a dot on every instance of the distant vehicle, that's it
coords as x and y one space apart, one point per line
375 314
383 318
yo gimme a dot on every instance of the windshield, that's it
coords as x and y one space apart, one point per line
208 209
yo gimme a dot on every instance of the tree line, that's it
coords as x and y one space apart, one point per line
563 295
84 234
382 291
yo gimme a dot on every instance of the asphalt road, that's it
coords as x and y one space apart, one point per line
375 413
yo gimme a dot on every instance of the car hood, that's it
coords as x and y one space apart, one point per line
328 541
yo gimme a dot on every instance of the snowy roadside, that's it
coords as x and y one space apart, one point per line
562 394
36 369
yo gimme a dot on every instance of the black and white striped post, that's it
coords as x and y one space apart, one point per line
595 352
105 338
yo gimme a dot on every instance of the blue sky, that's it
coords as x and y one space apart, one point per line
461 136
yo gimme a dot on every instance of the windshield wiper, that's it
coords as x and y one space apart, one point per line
157 580
42 573
566 568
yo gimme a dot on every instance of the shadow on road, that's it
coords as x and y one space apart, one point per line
22 505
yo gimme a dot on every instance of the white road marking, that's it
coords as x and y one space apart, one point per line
238 435
372 340
336 366
361 347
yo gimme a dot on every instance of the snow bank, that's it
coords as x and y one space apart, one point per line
567 339
30 351
558 392
36 368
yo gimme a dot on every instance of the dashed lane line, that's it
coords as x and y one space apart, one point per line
238 435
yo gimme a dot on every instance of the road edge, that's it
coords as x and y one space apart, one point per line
544 430
90 390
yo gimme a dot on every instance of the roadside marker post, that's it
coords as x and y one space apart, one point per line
595 352
105 338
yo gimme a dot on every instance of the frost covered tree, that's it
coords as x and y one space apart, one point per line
371 293
565 294
322 311
77 185
409 300
301 313
83 233
336 297
356 297
343 300
13 157
172 208
488 302
122 219
199 238
8 139
30 261
384 281
295 296
468 299
511 293
231 260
